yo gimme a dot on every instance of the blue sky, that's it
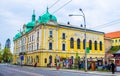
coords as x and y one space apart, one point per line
15 13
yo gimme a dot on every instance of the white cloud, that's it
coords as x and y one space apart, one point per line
15 13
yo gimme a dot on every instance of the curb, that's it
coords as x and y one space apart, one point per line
89 72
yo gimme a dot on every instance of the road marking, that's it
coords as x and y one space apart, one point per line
30 73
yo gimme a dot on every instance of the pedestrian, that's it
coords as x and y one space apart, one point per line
113 68
80 65
70 63
96 64
35 64
108 67
57 66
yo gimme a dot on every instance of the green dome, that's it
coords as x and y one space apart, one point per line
30 24
47 17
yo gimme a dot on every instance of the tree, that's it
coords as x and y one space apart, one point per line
7 55
0 56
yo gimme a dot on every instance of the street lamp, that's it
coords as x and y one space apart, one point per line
83 15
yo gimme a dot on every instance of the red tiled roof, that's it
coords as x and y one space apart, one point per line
113 34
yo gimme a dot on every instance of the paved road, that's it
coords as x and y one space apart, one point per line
12 70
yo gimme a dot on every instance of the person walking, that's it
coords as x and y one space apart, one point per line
113 68
57 66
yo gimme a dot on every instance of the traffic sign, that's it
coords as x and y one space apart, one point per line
88 50
21 57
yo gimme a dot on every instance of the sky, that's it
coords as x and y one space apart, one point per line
100 15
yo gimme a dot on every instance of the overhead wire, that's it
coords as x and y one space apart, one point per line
62 6
53 4
111 23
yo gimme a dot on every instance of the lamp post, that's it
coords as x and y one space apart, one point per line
83 15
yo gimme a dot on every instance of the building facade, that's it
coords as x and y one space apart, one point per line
45 40
108 44
114 54
115 36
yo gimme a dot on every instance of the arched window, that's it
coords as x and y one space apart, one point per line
78 43
37 59
50 45
63 47
45 60
95 45
90 44
84 44
50 59
31 59
100 45
71 43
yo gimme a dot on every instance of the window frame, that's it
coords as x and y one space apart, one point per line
78 43
71 42
50 46
63 47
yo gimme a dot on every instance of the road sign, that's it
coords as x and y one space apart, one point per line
88 50
21 57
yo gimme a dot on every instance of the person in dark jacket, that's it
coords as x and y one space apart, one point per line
113 68
35 64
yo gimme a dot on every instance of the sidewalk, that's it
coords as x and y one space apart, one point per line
90 72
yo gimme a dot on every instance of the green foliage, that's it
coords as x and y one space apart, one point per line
0 56
114 49
7 55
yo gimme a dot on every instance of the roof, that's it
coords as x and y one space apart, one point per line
113 34
81 28
17 36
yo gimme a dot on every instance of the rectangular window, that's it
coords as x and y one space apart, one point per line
32 47
37 46
113 41
50 33
38 34
63 35
32 37
50 46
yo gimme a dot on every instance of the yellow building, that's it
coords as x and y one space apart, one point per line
115 36
45 40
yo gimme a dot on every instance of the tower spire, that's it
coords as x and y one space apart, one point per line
33 15
47 10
